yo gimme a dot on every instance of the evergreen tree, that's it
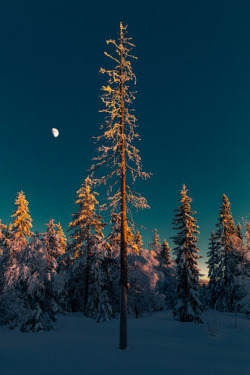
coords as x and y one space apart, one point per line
54 250
118 154
248 235
213 263
155 249
166 274
239 232
4 253
188 307
10 245
226 289
3 237
22 220
62 258
86 228
85 221
62 238
138 241
204 293
155 244
243 278
52 241
165 256
99 304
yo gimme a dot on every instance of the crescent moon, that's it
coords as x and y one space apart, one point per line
55 132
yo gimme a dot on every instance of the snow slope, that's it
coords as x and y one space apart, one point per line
158 344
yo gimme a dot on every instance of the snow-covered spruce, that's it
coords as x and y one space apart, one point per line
242 249
188 307
98 305
31 289
87 277
5 258
227 287
166 274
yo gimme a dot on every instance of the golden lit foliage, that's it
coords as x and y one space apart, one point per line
22 220
85 220
62 237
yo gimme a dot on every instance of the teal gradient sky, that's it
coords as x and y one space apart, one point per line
193 83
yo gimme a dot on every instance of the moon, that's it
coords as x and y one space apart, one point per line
55 132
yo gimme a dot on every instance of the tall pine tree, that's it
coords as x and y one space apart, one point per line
226 289
118 154
86 228
188 307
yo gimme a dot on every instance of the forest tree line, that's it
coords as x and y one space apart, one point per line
42 274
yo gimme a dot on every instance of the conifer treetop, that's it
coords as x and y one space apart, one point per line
184 220
155 244
22 220
85 221
248 235
189 306
117 91
138 241
62 237
226 226
165 254
239 231
165 246
86 215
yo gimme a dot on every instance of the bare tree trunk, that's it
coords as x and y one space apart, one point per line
136 311
123 280
86 294
235 317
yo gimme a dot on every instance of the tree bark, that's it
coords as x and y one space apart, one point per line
123 251
86 294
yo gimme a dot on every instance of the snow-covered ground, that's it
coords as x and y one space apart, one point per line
158 344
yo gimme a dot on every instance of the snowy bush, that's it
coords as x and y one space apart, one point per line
214 326
142 293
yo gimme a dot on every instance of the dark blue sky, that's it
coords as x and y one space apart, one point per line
193 83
